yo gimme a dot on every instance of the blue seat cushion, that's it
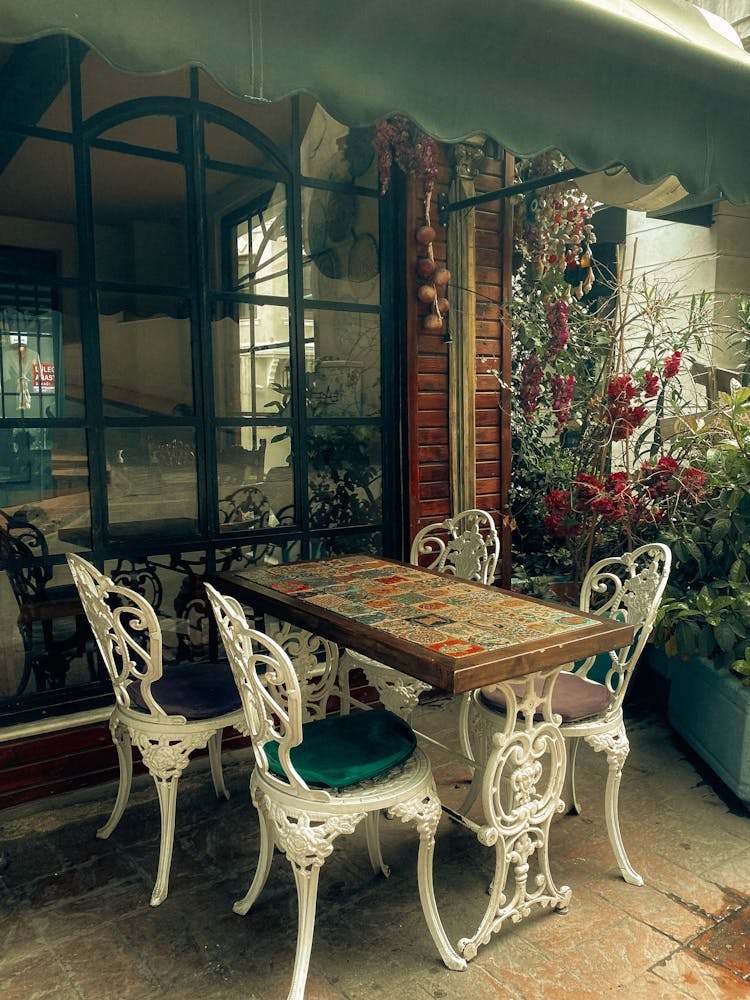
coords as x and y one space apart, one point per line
195 690
343 750
574 698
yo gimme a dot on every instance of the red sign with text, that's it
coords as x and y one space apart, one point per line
44 376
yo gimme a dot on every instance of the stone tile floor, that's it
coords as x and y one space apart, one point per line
75 923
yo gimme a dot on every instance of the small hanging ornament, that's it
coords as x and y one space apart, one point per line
24 396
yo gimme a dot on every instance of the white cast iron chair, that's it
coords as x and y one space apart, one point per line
167 713
315 781
628 588
466 546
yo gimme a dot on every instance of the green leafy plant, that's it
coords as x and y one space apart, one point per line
706 609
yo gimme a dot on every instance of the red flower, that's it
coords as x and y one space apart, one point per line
672 364
560 522
562 394
617 482
587 488
651 385
693 480
531 385
557 321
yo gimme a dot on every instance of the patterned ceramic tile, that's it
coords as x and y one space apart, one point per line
453 616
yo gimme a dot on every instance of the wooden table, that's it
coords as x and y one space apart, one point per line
458 636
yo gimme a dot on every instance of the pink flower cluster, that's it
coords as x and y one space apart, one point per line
398 138
562 396
531 385
557 321
623 412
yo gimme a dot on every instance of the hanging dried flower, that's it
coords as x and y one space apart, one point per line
398 139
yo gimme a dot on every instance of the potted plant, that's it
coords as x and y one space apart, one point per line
705 615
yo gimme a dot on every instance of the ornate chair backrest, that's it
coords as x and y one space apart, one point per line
466 545
126 630
23 549
629 588
269 689
248 506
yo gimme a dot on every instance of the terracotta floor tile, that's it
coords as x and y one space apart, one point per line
655 909
64 892
700 979
702 894
734 872
625 951
651 987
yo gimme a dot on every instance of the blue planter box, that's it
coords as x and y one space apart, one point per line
710 709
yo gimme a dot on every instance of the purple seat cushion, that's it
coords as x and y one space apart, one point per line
195 690
573 697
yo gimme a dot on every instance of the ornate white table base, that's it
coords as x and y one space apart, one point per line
519 778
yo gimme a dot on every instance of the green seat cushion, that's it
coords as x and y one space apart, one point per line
343 750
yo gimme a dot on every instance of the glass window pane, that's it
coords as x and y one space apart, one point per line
149 131
255 476
173 586
340 247
145 355
40 352
44 475
141 232
344 378
345 476
251 360
249 215
332 152
37 200
224 145
152 484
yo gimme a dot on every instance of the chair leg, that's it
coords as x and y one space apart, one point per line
617 748
166 789
372 829
214 756
307 899
166 759
572 806
121 740
425 811
265 857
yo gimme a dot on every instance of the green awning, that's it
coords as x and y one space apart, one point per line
651 85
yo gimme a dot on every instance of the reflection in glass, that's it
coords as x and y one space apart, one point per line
345 476
146 357
332 152
256 482
30 342
254 250
140 225
38 203
340 247
340 545
44 477
251 360
344 379
173 586
152 481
